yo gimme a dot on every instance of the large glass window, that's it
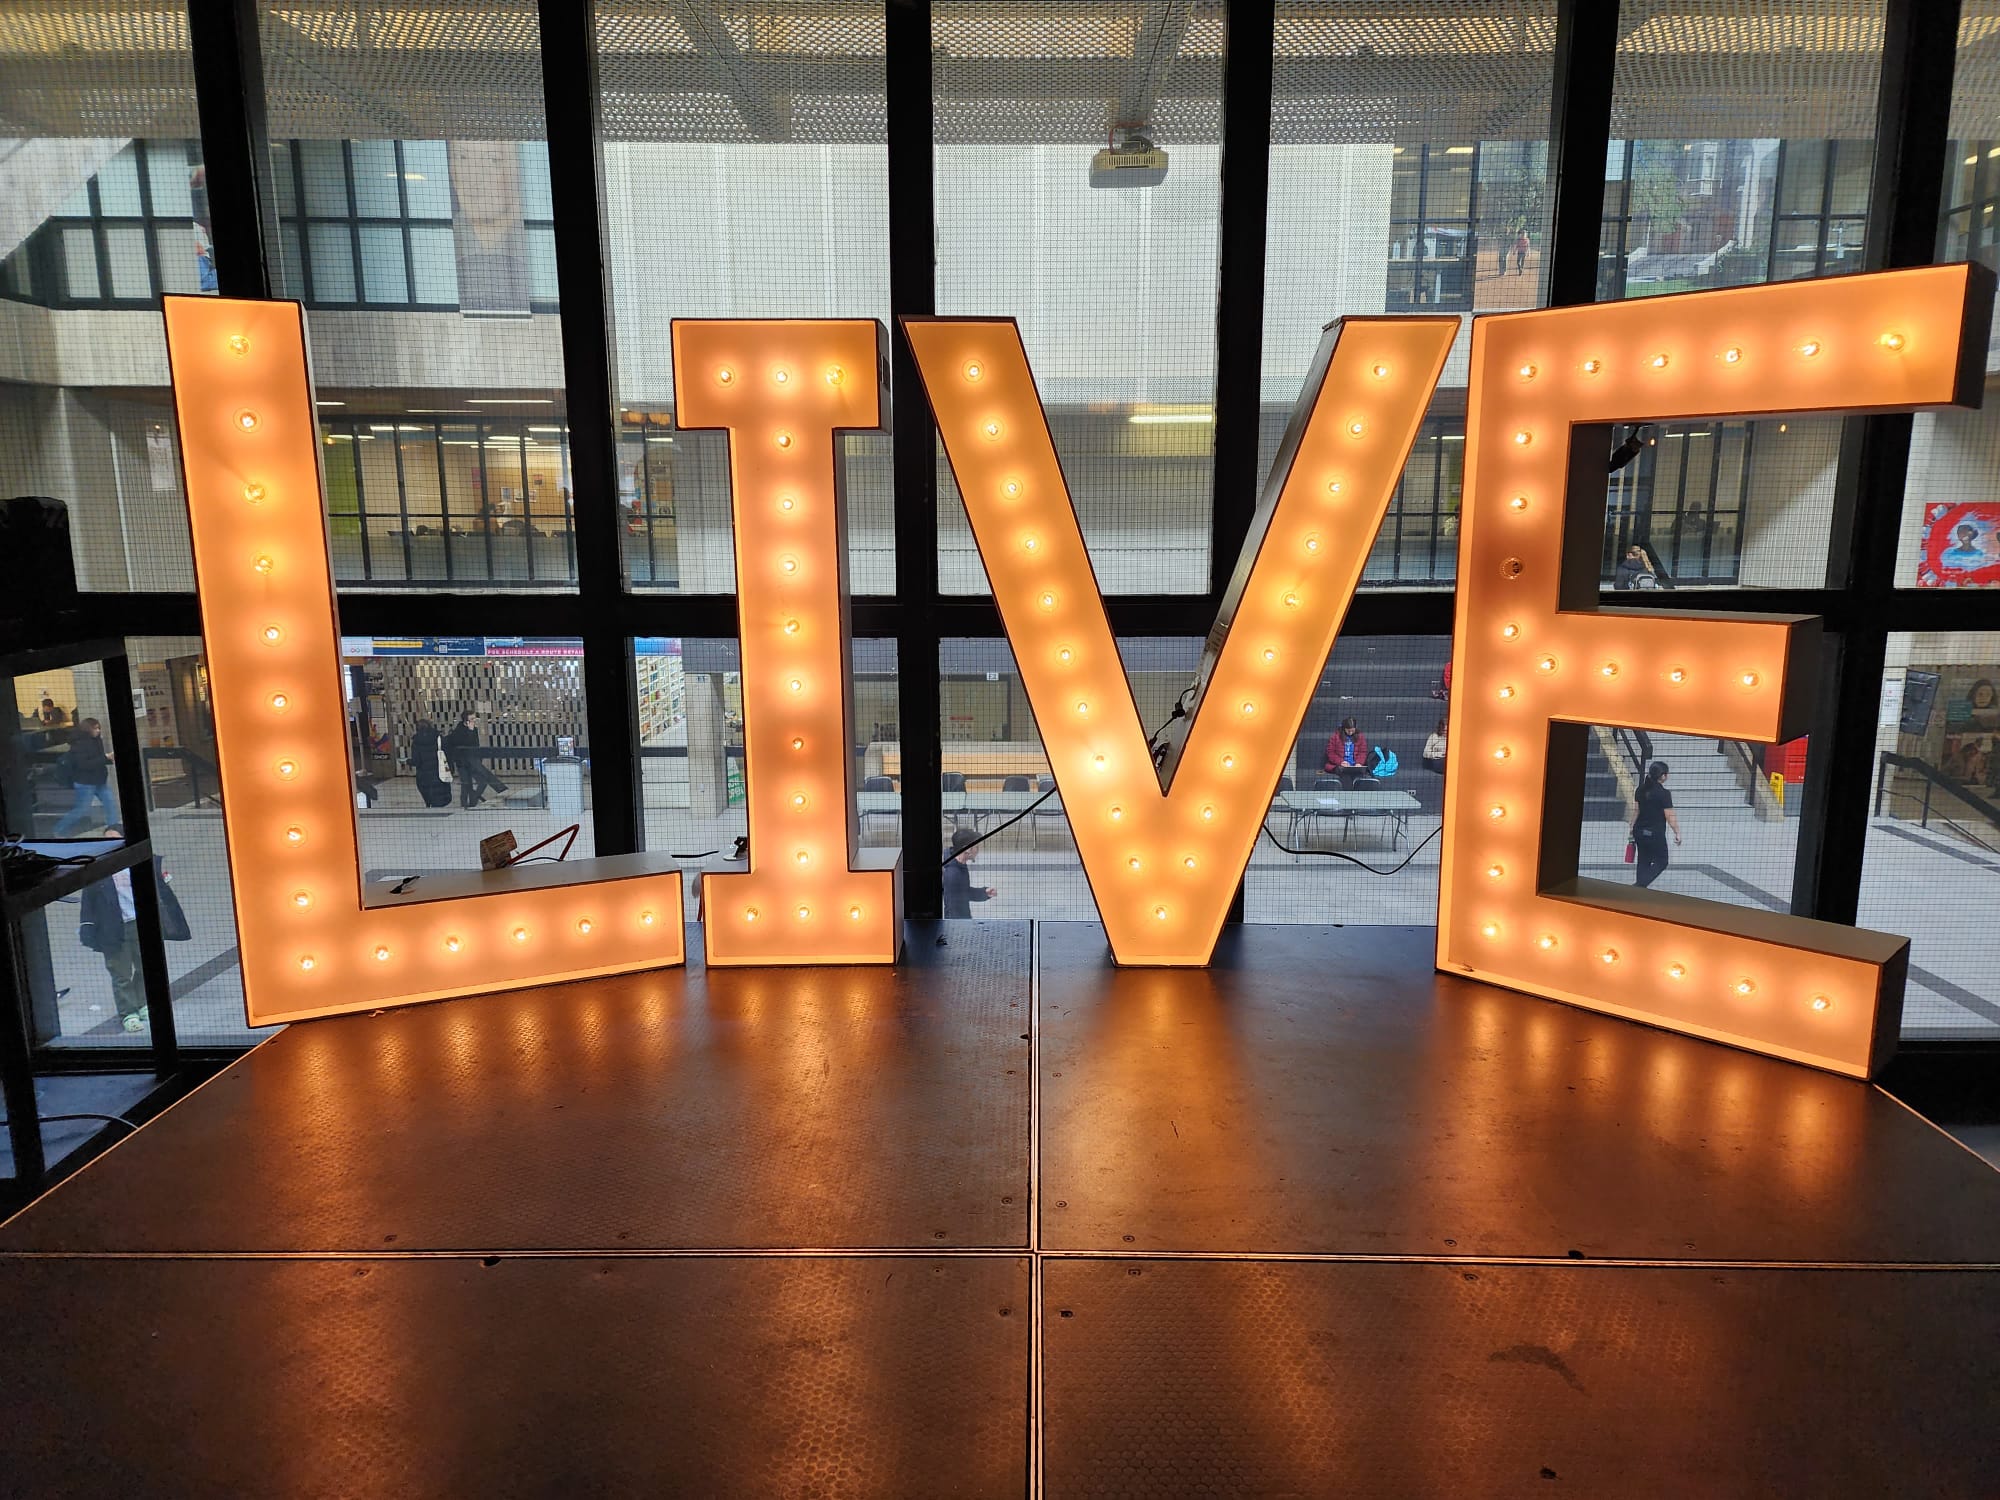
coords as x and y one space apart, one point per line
423 260
1932 867
1742 152
745 178
1079 190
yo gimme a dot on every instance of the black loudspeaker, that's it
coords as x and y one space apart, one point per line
37 568
1919 697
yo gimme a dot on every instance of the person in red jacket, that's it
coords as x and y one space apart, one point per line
1346 749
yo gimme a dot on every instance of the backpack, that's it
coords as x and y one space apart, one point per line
1386 763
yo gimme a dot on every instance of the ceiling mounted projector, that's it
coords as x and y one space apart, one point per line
1130 162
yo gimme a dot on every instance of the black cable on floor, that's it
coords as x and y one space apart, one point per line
1359 864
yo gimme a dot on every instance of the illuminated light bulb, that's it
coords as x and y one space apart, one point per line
1546 664
583 925
1132 864
749 913
1677 971
647 919
1291 601
1745 987
1011 488
791 627
1354 429
1117 813
1509 631
1527 372
1064 654
798 743
992 431
1228 762
1047 601
452 945
784 440
1188 863
1249 709
1082 710
1592 366
381 955
1749 679
1312 544
247 420
273 635
1546 942
1496 812
302 899
1609 955
1097 762
834 374
803 857
1731 356
1523 438
973 371
781 376
1029 543
790 565
1889 341
1208 815
1658 361
262 565
1518 503
1677 674
854 914
238 344
1609 669
1380 372
1820 1002
1269 654
295 836
280 702
1160 913
1506 691
287 769
1489 929
805 913
1501 752
798 799
254 493
788 504
307 961
1494 872
520 934
724 375
796 685
1333 487
1809 348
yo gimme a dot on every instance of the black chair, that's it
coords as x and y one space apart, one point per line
1329 784
1284 783
1045 783
954 781
1014 784
879 784
1366 784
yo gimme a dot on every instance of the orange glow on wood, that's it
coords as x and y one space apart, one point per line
1164 850
310 944
1536 658
784 391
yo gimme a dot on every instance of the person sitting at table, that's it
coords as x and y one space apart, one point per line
1346 748
959 891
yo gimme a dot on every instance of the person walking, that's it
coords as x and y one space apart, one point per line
461 747
959 891
1651 825
108 926
89 777
428 762
1521 252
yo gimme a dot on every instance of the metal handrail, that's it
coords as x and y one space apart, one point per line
1932 776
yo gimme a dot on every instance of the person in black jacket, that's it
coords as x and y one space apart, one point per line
461 748
90 778
1650 827
107 925
959 891
425 760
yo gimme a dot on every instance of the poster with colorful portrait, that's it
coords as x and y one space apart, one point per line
1960 546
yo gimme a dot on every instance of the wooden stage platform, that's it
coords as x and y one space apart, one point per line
1008 1221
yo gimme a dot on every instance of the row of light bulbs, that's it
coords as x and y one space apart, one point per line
1889 340
1677 971
453 943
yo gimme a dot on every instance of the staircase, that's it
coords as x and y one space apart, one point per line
1699 775
1604 800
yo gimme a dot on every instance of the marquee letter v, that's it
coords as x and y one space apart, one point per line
1164 842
